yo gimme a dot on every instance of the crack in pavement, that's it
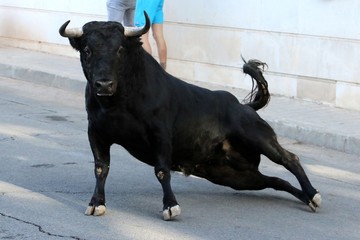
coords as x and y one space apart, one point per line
40 228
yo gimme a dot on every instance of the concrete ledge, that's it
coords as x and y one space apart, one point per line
41 77
306 134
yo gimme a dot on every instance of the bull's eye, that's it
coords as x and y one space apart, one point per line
120 50
87 51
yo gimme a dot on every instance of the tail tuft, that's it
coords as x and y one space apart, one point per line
259 96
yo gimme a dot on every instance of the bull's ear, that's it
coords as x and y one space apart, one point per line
75 43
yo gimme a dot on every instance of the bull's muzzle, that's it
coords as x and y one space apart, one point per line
105 88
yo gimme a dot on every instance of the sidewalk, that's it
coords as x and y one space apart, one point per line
304 121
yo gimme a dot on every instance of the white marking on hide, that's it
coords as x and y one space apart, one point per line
160 175
98 171
226 146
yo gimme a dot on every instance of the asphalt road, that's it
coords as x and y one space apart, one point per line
46 181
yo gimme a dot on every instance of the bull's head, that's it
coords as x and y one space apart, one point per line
105 48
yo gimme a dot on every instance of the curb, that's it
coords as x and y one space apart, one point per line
338 142
43 78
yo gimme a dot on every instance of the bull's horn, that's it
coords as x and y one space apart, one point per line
71 32
138 31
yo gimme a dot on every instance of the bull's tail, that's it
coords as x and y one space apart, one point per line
259 95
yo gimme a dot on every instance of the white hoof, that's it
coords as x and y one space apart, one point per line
99 210
315 202
89 210
96 211
312 207
172 212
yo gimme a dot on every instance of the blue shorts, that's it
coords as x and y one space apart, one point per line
154 8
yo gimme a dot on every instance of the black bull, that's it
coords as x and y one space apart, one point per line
173 125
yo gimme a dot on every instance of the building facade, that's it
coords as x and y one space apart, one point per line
311 47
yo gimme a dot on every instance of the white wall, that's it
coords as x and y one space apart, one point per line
311 46
34 24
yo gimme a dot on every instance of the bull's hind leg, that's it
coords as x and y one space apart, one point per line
250 179
291 162
258 137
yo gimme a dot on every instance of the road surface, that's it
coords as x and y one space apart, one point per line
47 179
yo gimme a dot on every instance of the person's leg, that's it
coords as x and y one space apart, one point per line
158 34
129 17
129 13
139 20
146 43
115 11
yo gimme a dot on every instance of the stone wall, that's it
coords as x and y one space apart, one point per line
310 46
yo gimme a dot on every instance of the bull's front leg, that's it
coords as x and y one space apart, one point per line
101 152
171 208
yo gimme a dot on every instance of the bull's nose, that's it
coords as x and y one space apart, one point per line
103 84
104 87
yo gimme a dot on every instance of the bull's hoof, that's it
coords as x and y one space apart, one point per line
171 212
315 202
96 211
